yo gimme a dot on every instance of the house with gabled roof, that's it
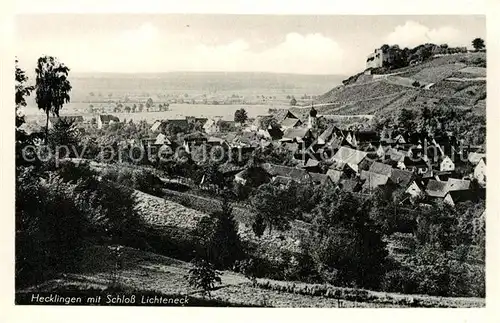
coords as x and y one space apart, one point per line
352 157
211 126
335 175
161 140
290 123
282 114
196 138
474 158
350 185
252 176
415 188
401 178
297 174
416 165
372 180
454 197
312 165
446 164
329 134
480 171
367 136
400 139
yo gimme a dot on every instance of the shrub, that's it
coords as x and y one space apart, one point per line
203 275
50 228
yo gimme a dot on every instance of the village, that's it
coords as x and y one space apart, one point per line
426 168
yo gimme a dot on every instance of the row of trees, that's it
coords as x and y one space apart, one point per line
403 57
465 124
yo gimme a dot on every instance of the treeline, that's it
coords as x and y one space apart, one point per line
348 244
463 123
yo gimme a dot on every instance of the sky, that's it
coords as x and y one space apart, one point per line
304 44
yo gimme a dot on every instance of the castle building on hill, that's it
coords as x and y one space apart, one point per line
378 57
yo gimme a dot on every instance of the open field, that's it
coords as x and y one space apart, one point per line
176 111
163 87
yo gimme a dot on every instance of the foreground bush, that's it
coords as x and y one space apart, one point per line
49 228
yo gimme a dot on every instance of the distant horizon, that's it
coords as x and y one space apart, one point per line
202 72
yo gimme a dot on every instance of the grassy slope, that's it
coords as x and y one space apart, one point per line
147 271
376 94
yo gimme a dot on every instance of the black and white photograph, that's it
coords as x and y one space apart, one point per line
250 160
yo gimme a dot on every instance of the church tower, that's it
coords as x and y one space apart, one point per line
312 123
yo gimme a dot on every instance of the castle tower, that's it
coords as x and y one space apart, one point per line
312 123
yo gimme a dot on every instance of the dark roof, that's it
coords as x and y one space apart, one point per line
380 168
275 133
401 177
195 136
297 174
467 195
320 178
182 123
255 176
366 136
108 117
436 188
66 118
281 114
415 162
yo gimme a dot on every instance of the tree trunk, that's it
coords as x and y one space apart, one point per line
47 129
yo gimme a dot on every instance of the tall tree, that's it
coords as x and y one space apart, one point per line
478 43
240 115
274 206
22 90
52 87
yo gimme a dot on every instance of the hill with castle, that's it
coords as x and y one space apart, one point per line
443 77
